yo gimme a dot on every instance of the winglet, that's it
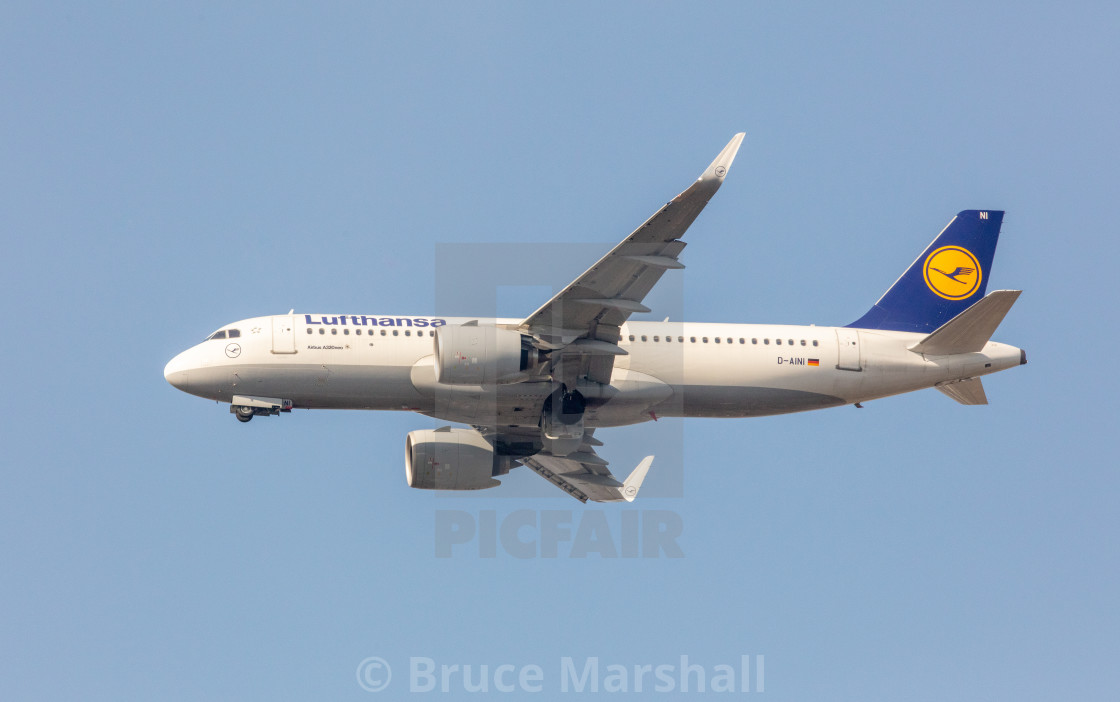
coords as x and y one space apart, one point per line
719 168
629 489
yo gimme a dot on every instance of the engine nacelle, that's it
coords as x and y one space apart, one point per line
451 459
483 355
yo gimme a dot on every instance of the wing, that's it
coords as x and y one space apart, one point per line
594 306
584 475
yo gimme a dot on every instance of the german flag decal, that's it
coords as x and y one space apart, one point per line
814 361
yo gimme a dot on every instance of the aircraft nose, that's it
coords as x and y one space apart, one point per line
175 372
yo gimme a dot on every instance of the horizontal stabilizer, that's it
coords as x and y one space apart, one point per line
969 391
970 330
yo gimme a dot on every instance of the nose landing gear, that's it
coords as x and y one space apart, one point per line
245 408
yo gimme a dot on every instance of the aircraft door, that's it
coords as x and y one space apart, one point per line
283 334
848 352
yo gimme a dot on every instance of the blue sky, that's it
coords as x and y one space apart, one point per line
166 169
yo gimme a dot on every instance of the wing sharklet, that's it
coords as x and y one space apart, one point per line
634 481
722 164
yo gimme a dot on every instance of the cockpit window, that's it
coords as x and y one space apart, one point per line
217 335
234 333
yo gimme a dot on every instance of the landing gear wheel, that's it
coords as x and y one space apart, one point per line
244 413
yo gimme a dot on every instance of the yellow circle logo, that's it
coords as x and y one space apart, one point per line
952 272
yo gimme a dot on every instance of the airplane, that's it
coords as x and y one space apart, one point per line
534 391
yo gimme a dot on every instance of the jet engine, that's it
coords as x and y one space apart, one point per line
470 354
452 459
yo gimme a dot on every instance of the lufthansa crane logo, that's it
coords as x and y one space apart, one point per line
952 272
233 350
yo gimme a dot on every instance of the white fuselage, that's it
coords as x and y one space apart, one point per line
671 369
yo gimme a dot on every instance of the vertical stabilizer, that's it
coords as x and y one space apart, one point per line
945 280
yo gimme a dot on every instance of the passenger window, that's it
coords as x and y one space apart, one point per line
396 333
729 340
631 337
802 342
754 340
346 332
408 332
766 342
778 342
382 332
235 333
814 342
705 339
692 339
680 339
657 338
791 342
742 340
322 331
358 332
717 339
334 331
309 330
644 337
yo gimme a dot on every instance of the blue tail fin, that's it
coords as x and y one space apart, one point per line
950 275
